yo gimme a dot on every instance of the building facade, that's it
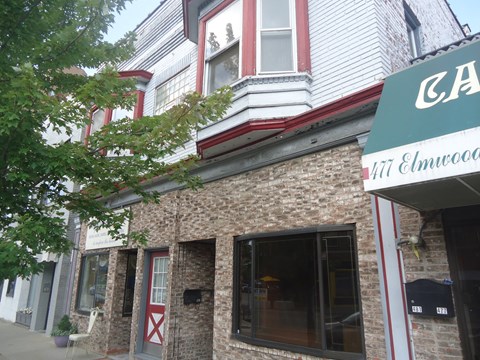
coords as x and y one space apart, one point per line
38 302
282 254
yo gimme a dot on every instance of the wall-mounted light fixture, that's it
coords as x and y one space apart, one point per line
417 241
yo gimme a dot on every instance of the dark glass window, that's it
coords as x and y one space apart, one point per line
298 291
11 287
129 284
93 282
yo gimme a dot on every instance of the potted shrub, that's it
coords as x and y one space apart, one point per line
63 329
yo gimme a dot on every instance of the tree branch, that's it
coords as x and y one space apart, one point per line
17 25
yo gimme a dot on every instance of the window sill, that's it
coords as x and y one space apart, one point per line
263 345
271 78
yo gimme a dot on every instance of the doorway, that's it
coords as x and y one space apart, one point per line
462 229
154 330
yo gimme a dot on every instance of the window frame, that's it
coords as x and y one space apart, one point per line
413 32
108 115
82 276
175 101
285 346
237 42
293 30
10 291
248 62
163 288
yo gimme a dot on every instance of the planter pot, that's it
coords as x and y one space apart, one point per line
60 341
23 319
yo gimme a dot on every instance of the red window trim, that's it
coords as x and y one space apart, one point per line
137 113
249 34
138 109
201 42
248 41
303 39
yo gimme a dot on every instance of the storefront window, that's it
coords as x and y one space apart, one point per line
298 291
93 282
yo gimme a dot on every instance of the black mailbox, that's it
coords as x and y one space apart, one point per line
429 298
192 296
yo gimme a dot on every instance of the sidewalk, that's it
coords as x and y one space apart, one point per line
19 343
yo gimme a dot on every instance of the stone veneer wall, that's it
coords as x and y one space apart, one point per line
191 326
111 332
96 342
434 339
317 189
119 325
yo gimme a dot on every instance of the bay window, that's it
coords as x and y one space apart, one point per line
222 47
251 37
299 291
275 35
93 282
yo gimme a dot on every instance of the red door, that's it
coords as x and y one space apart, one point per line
156 299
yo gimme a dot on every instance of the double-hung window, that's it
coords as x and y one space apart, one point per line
299 291
93 282
222 47
170 92
276 35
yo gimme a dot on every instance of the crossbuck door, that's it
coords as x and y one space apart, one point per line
156 301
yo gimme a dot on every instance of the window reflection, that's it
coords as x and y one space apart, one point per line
222 50
300 290
93 282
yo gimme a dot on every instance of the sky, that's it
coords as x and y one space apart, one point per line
135 12
467 11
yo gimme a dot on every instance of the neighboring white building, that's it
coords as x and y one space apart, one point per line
40 301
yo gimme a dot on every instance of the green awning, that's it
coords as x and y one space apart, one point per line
427 129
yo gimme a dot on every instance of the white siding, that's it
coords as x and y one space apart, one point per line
354 44
345 50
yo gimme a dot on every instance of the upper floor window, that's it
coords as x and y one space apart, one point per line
98 120
100 117
413 31
246 38
170 92
222 47
276 35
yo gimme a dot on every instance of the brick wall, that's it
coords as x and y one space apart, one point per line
434 339
317 189
119 325
191 326
323 188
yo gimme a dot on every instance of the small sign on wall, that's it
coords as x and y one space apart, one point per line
429 298
99 239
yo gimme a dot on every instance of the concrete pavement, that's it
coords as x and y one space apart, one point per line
19 343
